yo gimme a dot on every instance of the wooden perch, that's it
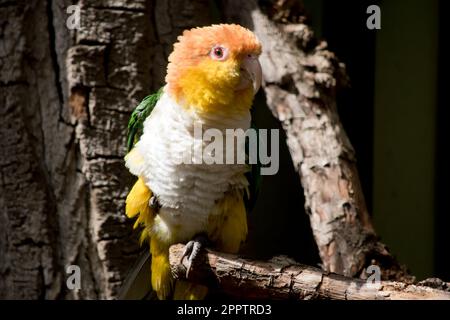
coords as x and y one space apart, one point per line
283 278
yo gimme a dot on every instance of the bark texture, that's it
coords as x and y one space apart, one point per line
65 100
301 78
283 278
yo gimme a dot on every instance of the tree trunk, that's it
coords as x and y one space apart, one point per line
66 97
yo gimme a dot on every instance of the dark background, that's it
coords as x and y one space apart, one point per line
396 117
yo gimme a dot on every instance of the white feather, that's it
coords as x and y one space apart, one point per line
187 192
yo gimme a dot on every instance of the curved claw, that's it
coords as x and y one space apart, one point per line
191 251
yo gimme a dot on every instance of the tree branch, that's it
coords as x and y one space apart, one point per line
283 278
301 78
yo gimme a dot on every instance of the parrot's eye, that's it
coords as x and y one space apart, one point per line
219 53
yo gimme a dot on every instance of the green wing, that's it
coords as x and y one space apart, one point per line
137 283
254 177
142 111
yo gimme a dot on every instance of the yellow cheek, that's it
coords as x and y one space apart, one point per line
209 87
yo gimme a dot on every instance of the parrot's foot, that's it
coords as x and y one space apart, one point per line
192 249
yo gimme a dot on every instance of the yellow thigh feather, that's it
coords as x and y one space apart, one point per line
227 229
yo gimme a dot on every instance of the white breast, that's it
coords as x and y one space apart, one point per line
187 192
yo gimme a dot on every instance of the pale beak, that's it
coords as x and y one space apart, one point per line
251 74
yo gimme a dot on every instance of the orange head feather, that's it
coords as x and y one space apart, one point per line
205 68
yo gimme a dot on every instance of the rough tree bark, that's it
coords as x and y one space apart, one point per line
301 78
283 278
65 100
